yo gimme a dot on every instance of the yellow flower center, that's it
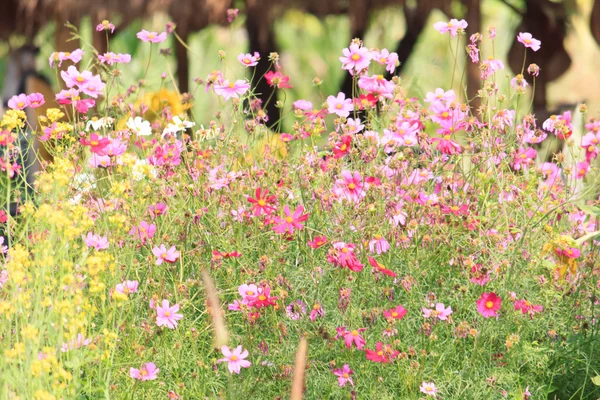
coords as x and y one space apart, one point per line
167 313
262 203
394 314
262 297
345 250
151 36
355 333
351 186
20 104
234 358
231 85
346 375
489 304
355 57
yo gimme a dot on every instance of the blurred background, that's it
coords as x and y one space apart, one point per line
309 36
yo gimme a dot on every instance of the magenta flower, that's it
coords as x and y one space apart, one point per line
528 41
127 287
152 37
350 187
35 100
454 26
384 57
18 102
351 337
489 304
339 105
235 359
316 312
147 372
112 58
249 60
58 57
343 255
162 254
167 316
527 308
96 142
291 221
105 25
231 89
96 241
355 58
441 312
344 375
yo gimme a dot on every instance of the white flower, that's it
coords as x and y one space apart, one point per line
98 123
178 125
139 126
142 169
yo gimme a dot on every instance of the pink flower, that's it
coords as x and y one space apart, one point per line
231 89
143 231
278 80
378 244
441 312
76 343
317 242
316 312
291 221
163 254
303 105
529 41
395 313
35 100
381 354
112 58
152 37
355 58
344 375
167 316
582 169
350 186
235 359
488 304
263 298
339 105
127 287
342 255
18 102
384 57
527 308
96 142
93 87
248 59
75 56
96 241
73 77
147 372
157 209
105 26
454 26
428 388
351 337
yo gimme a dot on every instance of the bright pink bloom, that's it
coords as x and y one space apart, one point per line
290 221
75 56
157 209
152 37
454 26
162 254
395 313
248 59
343 147
167 315
112 58
96 241
317 242
96 142
569 252
381 354
262 299
303 105
147 372
344 375
441 312
339 105
263 204
351 337
527 308
18 102
127 287
582 169
381 268
235 359
489 304
317 311
524 158
278 80
350 187
143 231
384 57
355 58
342 255
528 41
228 89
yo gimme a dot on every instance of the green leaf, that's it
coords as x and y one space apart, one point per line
596 380
590 210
